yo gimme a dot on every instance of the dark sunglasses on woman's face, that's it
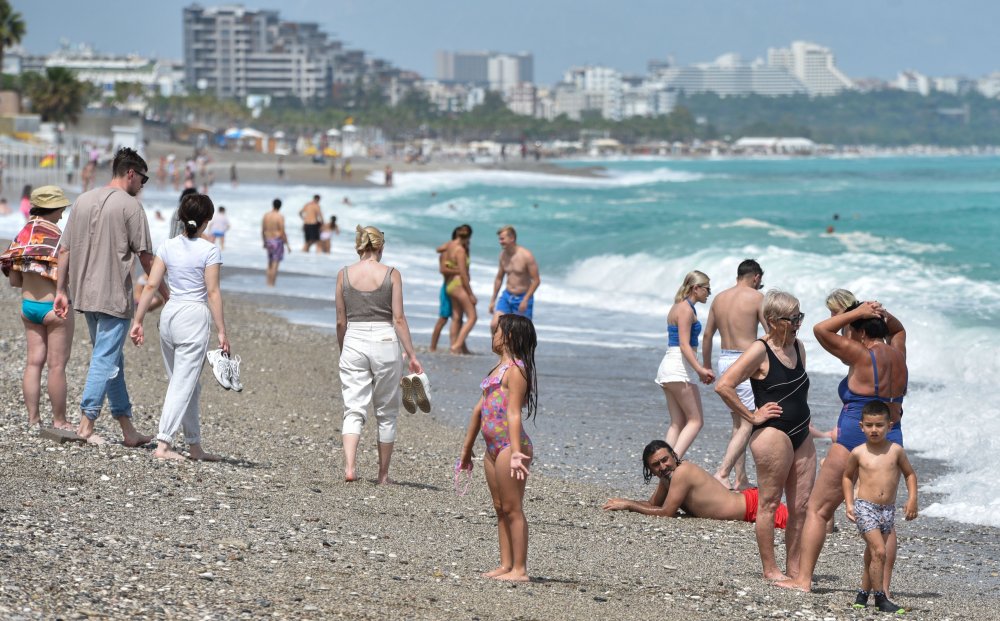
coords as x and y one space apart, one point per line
794 318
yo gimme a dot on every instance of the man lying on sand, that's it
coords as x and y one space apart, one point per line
685 487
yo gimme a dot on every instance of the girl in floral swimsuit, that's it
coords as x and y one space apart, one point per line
509 389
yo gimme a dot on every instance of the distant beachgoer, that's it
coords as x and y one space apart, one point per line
388 176
509 398
326 233
87 174
281 168
371 329
521 270
683 486
735 313
679 368
4 207
312 220
459 290
105 230
345 170
333 168
70 168
161 172
872 342
233 176
782 447
447 272
272 231
219 226
877 465
26 202
347 202
32 264
190 266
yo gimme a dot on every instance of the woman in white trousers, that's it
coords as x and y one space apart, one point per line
371 327
191 266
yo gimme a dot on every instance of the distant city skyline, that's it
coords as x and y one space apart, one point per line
869 38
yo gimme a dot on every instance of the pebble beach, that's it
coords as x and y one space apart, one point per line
274 532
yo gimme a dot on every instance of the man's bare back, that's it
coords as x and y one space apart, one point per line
699 494
311 213
736 313
273 225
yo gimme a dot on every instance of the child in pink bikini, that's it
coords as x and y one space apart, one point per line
508 389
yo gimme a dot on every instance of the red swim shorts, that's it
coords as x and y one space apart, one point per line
751 496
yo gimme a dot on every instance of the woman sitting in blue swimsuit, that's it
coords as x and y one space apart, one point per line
873 346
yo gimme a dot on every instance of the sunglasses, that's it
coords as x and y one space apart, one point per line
794 318
145 177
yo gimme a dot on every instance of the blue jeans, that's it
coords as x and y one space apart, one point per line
106 375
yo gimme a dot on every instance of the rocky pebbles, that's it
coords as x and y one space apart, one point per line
274 532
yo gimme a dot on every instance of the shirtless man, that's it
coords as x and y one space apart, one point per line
735 313
312 220
521 269
684 486
272 231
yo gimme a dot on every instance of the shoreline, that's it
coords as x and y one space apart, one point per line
274 531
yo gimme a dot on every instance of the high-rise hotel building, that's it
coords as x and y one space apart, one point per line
231 51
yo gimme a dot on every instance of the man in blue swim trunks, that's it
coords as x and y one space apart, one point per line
519 266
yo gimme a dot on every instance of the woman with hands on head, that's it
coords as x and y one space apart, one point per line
680 368
191 266
780 442
872 343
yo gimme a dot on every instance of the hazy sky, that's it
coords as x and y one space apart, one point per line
871 38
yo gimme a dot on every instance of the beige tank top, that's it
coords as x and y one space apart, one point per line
375 305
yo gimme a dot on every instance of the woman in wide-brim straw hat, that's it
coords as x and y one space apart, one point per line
371 329
31 262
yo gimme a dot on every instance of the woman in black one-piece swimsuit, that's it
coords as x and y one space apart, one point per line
780 442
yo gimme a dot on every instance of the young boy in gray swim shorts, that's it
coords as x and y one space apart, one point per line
876 465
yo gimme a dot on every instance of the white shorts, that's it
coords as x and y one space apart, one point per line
744 391
674 368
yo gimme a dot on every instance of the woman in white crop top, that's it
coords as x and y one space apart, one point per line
191 267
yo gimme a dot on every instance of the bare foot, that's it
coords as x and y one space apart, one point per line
723 480
93 438
350 476
499 571
34 422
775 576
167 453
135 439
792 584
385 481
514 576
63 424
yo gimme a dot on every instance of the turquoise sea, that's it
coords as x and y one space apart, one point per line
918 234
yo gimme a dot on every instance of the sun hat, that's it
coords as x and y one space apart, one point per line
49 197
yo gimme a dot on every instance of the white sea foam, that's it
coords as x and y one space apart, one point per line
438 181
861 241
752 223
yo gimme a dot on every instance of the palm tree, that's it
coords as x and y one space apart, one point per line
11 28
57 96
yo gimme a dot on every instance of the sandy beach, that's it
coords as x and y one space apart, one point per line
274 531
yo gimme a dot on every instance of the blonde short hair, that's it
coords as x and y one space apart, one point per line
840 300
778 304
692 280
508 229
368 238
